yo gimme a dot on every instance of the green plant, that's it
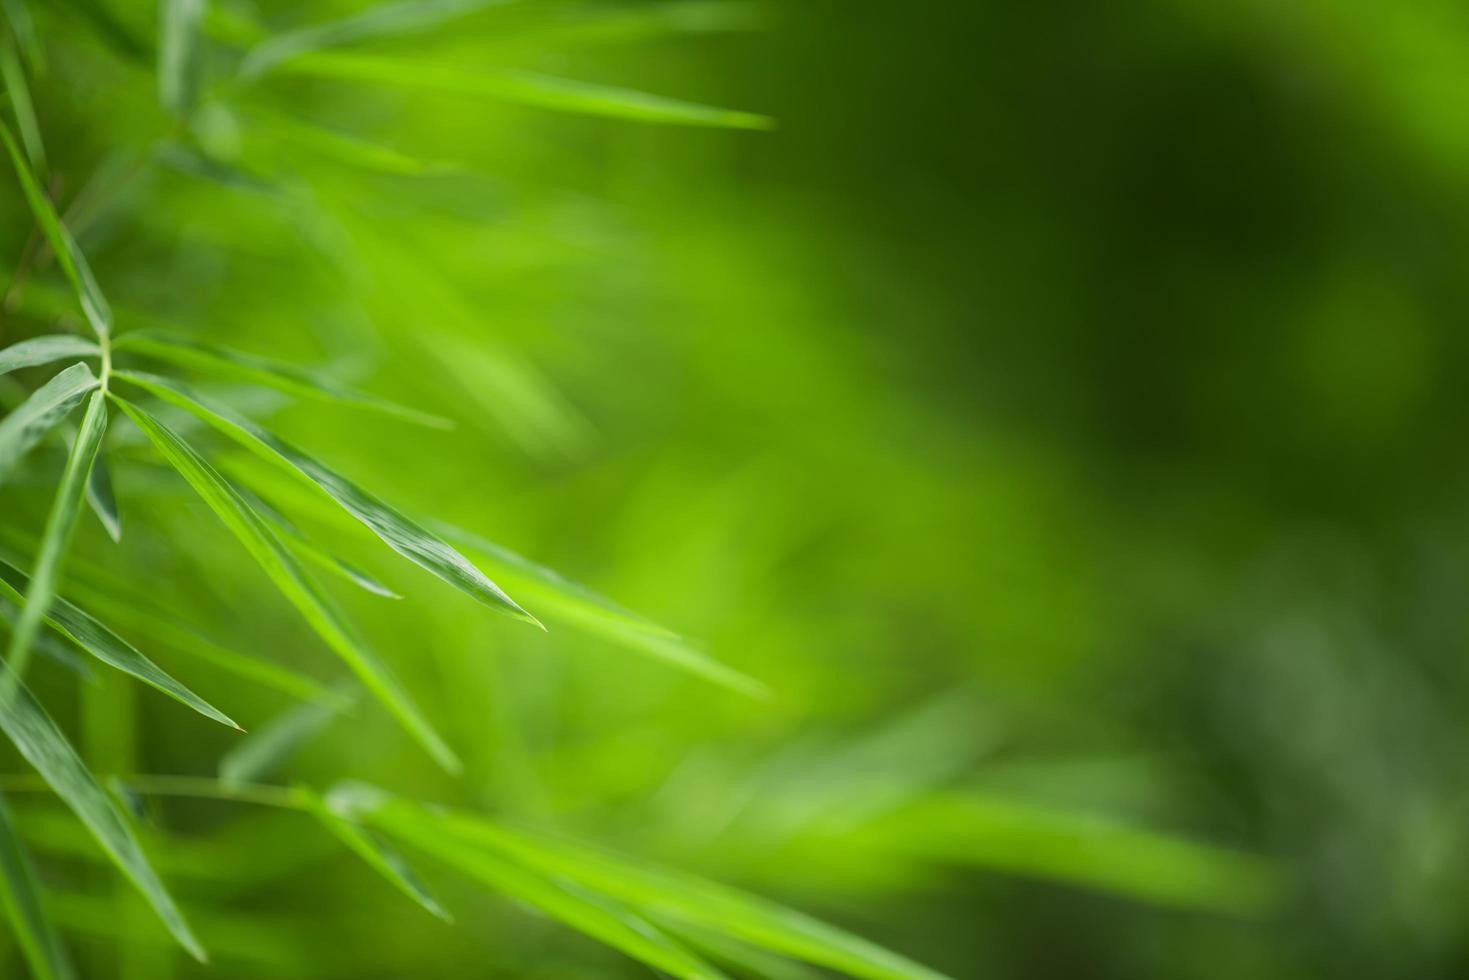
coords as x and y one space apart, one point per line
637 909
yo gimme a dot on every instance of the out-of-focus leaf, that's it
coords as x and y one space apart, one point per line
305 548
249 367
44 350
291 579
266 748
179 53
73 262
20 102
383 859
23 26
40 590
398 532
47 405
95 638
20 893
164 627
43 746
620 24
526 88
102 500
590 914
1079 848
348 149
385 20
657 891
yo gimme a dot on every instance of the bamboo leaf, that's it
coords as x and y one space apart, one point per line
43 746
291 579
260 753
384 20
73 262
399 533
665 893
20 102
347 148
20 893
101 642
273 374
47 405
581 608
23 26
383 859
525 88
40 591
179 53
102 500
558 898
44 350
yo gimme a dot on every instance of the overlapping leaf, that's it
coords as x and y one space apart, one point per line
44 350
46 406
20 893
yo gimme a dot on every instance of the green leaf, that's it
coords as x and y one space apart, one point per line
399 533
179 53
60 522
665 893
20 893
581 608
47 405
592 915
526 88
43 746
348 149
385 20
260 753
20 102
291 579
101 642
44 350
102 500
73 262
23 26
383 859
273 374
164 627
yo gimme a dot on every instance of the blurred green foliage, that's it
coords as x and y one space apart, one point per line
1054 415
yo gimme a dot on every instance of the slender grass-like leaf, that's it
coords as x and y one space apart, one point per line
44 350
43 746
273 374
164 627
575 605
47 405
305 548
655 891
381 858
179 53
73 262
50 647
23 26
525 88
40 591
595 916
101 642
346 148
291 579
385 20
265 749
102 500
20 893
20 103
620 24
401 534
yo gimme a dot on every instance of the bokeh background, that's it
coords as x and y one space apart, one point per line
1059 411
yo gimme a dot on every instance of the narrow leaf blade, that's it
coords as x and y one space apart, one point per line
410 540
291 580
47 405
381 858
43 746
60 522
44 350
101 642
178 53
20 893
